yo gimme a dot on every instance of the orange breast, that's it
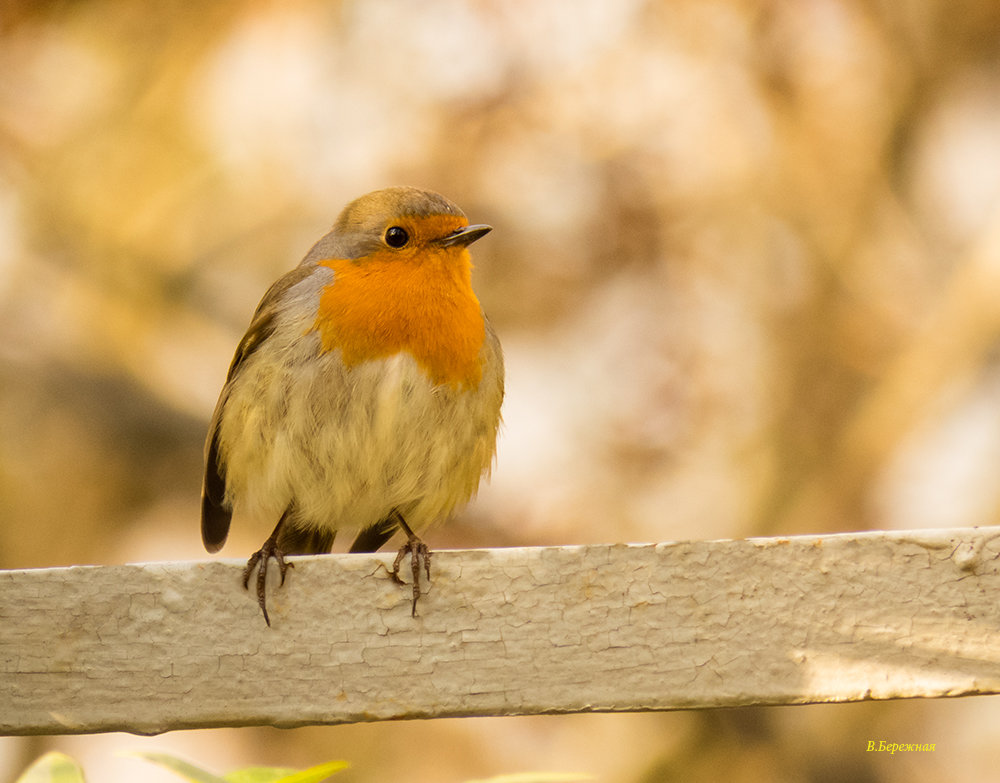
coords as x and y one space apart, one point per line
422 304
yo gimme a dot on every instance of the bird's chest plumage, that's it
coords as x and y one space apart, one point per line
427 309
347 422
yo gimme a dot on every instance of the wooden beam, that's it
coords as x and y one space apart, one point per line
161 646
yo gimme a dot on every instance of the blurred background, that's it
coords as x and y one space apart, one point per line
745 267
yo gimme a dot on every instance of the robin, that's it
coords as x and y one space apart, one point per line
365 395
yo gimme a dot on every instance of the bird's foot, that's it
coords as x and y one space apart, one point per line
259 560
418 552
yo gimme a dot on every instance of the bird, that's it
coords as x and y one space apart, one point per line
365 395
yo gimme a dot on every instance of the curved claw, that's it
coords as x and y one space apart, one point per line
259 560
418 552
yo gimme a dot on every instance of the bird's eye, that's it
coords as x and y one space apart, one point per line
396 236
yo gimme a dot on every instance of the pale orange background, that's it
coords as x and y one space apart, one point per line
745 267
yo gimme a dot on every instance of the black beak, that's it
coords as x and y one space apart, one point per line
465 236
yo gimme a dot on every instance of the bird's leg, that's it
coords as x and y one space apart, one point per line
418 551
259 560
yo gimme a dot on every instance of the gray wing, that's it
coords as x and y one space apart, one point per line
216 512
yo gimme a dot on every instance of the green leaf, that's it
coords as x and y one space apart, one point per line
259 775
316 774
180 766
53 767
246 775
537 777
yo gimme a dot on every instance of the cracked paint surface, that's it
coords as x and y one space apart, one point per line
148 648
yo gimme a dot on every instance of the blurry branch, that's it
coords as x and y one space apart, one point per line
835 451
150 648
955 341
